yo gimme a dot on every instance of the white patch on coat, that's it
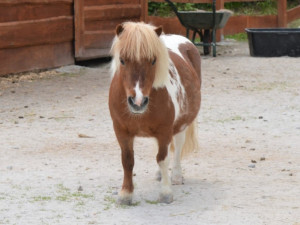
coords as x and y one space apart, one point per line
165 179
176 90
179 140
138 94
182 127
115 63
125 196
172 42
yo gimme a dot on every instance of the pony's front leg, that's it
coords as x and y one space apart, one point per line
166 195
125 195
126 144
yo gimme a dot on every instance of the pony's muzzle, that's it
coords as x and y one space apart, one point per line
138 107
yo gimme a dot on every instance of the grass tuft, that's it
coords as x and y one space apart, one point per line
237 37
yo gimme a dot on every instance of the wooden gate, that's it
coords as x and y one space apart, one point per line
95 22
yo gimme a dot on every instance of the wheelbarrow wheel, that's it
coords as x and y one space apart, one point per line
206 41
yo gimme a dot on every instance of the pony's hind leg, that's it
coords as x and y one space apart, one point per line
166 195
179 140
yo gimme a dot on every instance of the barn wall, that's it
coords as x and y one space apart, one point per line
35 34
95 23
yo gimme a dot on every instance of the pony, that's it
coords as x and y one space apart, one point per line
154 92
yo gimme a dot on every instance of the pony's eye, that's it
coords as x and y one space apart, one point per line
154 61
122 61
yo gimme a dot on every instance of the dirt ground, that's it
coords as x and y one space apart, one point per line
60 162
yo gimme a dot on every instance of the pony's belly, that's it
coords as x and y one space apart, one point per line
144 134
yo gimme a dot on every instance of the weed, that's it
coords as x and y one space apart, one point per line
80 203
81 195
62 198
152 202
109 201
186 192
67 195
237 37
61 187
282 86
41 198
294 24
233 118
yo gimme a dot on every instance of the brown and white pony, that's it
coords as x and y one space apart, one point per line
155 92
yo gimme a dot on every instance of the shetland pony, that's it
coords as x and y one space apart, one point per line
154 92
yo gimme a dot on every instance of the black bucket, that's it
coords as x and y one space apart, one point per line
274 42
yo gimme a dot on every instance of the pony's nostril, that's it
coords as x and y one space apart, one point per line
145 101
137 108
131 101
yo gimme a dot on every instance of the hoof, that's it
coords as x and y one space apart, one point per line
158 175
166 198
125 198
177 180
122 201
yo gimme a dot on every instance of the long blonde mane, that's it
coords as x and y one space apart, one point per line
139 41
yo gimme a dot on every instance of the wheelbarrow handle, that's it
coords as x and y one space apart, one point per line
174 8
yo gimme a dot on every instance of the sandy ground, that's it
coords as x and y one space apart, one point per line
60 162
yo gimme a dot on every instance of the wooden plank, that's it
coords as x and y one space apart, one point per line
34 12
293 14
111 12
94 53
262 21
110 2
36 32
79 27
98 39
16 60
17 2
106 25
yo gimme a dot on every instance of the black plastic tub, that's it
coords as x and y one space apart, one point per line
274 42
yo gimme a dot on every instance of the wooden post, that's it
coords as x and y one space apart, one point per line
144 8
79 27
281 13
219 5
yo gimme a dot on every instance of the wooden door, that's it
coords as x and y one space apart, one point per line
95 22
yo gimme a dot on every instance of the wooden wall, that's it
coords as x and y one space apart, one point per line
95 23
35 34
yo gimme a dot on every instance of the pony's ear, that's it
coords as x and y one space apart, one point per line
158 30
119 29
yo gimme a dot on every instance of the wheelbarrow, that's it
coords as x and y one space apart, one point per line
202 23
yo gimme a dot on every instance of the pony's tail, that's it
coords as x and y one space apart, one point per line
191 141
